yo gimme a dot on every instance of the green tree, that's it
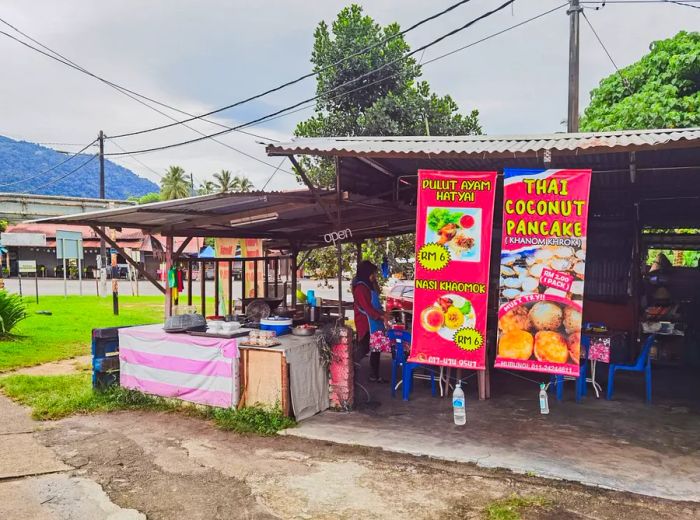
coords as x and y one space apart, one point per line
147 198
174 185
206 188
661 90
394 102
3 225
399 251
224 181
241 184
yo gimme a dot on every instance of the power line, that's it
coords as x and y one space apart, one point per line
273 174
68 62
131 94
50 169
58 179
124 90
310 74
686 2
160 175
432 60
619 73
354 80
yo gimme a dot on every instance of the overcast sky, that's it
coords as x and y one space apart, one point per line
199 55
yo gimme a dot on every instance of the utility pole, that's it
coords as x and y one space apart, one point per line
573 12
103 248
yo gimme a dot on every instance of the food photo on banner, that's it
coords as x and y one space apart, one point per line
543 266
454 223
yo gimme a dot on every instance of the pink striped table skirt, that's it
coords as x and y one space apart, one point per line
192 368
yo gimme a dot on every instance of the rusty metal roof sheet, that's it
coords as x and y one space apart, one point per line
457 146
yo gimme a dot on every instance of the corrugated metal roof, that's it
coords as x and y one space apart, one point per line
388 146
294 216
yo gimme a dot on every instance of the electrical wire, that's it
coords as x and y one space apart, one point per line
432 60
273 174
129 94
68 62
160 175
607 52
124 90
354 80
58 179
310 74
685 2
50 169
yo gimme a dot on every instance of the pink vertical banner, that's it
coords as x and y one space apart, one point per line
454 224
543 265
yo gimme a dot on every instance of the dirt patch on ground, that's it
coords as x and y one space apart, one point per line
57 368
169 466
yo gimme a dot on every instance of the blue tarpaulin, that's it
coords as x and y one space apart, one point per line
207 252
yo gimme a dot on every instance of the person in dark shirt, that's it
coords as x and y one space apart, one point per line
368 317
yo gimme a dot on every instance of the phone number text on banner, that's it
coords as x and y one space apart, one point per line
453 244
543 264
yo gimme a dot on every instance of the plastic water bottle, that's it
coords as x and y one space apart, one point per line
459 405
544 400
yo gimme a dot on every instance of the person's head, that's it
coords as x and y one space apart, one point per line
366 272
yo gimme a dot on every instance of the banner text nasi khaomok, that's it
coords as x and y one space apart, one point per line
543 260
453 247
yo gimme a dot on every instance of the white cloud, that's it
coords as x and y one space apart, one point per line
200 55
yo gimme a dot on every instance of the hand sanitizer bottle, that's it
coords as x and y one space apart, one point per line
459 405
544 400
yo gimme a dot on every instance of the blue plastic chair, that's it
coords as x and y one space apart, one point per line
643 364
557 382
581 387
400 338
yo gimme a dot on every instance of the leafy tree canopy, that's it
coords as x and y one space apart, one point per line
147 198
223 181
174 185
662 90
389 101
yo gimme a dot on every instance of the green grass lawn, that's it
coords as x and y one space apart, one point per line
55 397
66 333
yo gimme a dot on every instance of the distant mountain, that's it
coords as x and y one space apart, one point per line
20 160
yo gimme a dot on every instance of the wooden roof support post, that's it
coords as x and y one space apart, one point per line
636 249
169 246
182 247
311 186
139 268
295 252
338 245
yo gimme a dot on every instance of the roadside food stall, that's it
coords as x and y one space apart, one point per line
260 246
624 189
639 180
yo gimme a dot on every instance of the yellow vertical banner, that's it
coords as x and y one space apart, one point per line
251 248
224 248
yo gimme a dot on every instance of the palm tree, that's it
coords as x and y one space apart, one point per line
242 184
174 185
224 181
206 188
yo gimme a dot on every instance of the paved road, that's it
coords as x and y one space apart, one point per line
53 286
